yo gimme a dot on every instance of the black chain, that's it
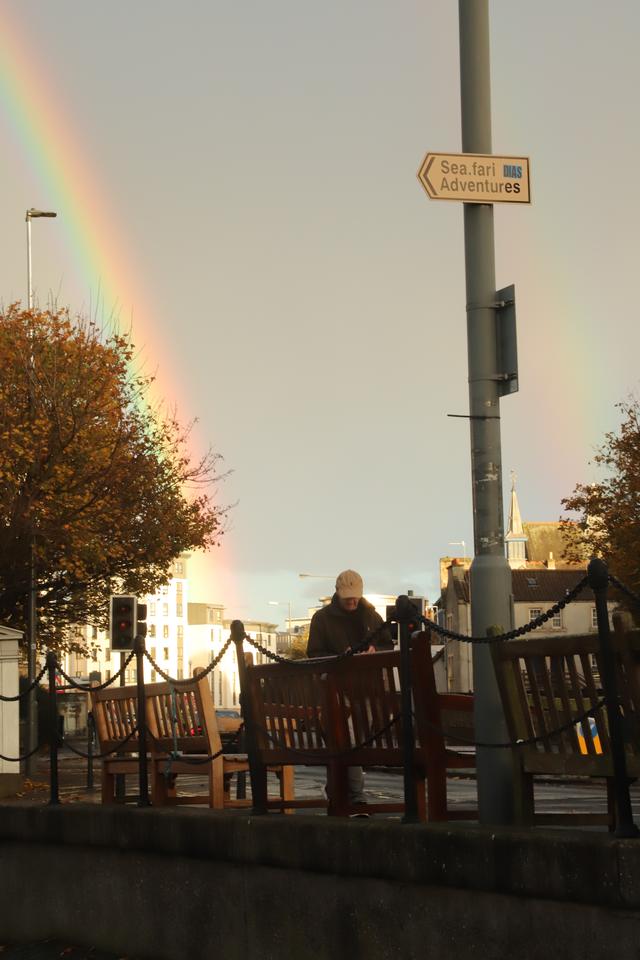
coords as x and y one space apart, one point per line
203 673
298 752
626 590
529 741
196 761
538 621
358 648
24 757
100 756
73 684
25 693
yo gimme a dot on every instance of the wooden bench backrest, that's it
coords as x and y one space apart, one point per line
182 718
323 705
546 681
185 720
115 715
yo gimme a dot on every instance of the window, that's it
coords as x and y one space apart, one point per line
107 653
534 612
152 609
108 674
166 653
153 652
179 568
219 688
180 632
165 609
179 609
594 618
153 676
556 622
152 629
165 632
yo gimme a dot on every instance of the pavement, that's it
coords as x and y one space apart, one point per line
382 785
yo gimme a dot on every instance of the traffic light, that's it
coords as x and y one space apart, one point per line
123 622
141 619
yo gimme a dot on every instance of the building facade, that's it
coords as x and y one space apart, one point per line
539 580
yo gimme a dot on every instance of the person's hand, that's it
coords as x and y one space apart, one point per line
370 649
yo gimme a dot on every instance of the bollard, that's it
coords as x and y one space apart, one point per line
241 776
54 797
143 778
91 732
598 581
257 793
404 615
120 786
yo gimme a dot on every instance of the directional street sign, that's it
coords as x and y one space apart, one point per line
475 178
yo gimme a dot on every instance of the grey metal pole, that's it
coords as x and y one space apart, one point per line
32 710
490 575
32 613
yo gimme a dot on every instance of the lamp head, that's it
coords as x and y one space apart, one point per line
32 213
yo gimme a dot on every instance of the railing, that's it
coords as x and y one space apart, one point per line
404 614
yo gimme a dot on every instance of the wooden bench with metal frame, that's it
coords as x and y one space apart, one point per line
345 712
545 682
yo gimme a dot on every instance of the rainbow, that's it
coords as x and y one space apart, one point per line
104 264
45 138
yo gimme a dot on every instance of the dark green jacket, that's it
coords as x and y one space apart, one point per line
333 629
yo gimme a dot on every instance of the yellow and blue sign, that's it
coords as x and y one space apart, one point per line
595 736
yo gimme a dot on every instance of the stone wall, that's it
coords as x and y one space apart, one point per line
171 885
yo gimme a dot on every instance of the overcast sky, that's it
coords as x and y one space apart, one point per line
238 180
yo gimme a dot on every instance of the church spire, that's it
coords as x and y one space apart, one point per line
515 520
516 538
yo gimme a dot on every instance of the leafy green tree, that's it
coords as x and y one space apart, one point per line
608 522
95 477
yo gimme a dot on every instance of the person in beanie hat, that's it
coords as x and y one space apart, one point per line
341 625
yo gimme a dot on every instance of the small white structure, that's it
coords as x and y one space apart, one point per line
10 779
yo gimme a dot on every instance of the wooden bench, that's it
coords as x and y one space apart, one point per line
180 720
544 683
342 713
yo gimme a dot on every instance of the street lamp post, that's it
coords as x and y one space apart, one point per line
33 214
459 543
32 722
282 603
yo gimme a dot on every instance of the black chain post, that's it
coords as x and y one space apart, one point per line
54 797
405 614
120 785
143 778
237 635
598 580
90 740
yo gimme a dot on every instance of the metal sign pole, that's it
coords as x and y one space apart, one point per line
490 575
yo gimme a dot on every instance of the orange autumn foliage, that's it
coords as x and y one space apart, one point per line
99 481
608 524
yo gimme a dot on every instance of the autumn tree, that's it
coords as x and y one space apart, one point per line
608 524
299 643
98 480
